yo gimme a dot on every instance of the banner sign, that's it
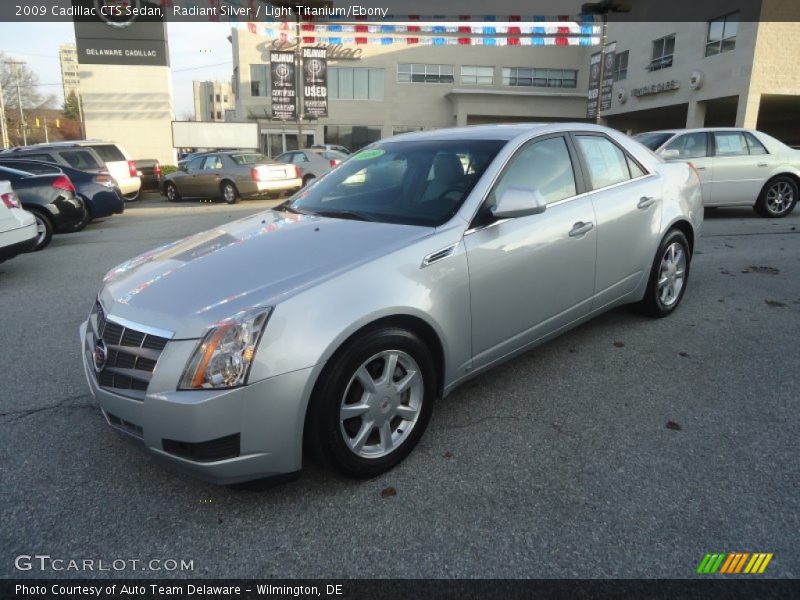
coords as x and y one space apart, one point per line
315 82
594 85
608 76
284 87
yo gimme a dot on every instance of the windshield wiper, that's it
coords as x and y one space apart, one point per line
292 209
344 214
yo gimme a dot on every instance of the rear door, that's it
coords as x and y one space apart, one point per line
627 203
737 175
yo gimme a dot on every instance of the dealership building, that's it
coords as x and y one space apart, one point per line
376 91
737 68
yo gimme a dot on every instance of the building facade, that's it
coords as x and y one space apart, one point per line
70 80
729 70
376 91
212 99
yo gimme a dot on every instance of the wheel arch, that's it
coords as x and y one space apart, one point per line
686 229
788 174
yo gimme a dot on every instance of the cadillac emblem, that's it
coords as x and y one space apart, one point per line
100 356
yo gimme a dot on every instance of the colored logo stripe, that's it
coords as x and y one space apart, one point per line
734 563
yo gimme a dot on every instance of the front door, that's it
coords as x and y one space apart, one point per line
696 148
531 275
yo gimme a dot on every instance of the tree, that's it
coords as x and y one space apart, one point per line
12 70
71 109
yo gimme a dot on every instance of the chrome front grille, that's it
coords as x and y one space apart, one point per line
131 356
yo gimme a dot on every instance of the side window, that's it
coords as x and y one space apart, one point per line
299 157
754 145
79 159
36 168
42 157
545 166
607 164
634 168
690 145
730 143
212 163
196 164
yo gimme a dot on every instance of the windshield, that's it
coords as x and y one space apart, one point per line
408 182
652 140
248 159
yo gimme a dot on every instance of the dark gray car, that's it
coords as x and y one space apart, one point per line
231 175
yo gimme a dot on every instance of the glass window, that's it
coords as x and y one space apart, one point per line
690 145
398 129
525 77
299 157
652 140
32 167
258 80
386 184
354 138
754 145
423 73
606 162
109 153
722 34
473 75
248 159
348 83
196 164
78 159
43 157
544 166
212 162
621 66
663 49
634 168
730 143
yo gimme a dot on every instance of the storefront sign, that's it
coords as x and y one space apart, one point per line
315 82
284 90
334 51
608 76
594 85
656 88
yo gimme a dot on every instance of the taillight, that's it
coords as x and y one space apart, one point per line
10 199
104 180
131 168
157 170
297 172
333 163
62 182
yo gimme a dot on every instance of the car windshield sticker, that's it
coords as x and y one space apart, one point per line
367 154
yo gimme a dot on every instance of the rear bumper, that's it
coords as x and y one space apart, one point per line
129 185
17 241
257 429
263 188
105 203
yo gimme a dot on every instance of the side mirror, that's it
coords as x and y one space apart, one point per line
518 201
670 154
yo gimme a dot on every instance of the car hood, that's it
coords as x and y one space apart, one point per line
188 285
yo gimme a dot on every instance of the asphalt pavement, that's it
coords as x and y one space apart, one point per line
628 447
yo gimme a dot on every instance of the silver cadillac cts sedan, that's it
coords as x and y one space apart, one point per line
332 323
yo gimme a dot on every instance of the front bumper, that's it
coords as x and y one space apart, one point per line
267 416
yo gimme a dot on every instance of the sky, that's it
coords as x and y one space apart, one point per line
197 51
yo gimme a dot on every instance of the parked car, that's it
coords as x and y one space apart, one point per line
98 191
113 158
84 159
335 147
52 201
340 316
737 167
17 226
149 170
231 175
312 163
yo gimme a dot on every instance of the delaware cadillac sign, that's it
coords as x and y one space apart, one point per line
656 88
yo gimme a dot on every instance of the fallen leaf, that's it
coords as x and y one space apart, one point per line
448 454
388 492
683 354
673 425
618 344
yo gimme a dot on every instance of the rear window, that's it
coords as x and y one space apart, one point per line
248 159
108 152
32 167
334 155
13 174
653 140
44 157
79 159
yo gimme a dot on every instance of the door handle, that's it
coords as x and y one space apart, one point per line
580 228
646 202
763 165
700 168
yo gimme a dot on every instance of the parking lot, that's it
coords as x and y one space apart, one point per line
628 447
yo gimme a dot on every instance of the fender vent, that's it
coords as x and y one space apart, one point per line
439 255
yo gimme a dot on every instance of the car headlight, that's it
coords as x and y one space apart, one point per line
223 357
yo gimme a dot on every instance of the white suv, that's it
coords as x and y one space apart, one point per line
17 227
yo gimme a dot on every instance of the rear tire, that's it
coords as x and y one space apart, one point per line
229 192
44 229
668 276
171 192
778 198
365 429
133 197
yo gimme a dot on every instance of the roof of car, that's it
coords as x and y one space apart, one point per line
503 131
697 130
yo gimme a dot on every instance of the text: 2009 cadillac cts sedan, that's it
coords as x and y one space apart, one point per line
334 321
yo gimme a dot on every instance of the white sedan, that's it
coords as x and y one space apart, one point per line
737 167
17 227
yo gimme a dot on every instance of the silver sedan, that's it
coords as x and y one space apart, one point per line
333 322
737 167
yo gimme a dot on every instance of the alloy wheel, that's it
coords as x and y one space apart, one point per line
229 193
780 197
41 229
381 404
671 274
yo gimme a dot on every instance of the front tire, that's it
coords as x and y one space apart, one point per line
171 192
778 198
229 192
668 276
372 403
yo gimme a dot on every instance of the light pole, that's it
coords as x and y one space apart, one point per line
22 125
3 125
602 8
